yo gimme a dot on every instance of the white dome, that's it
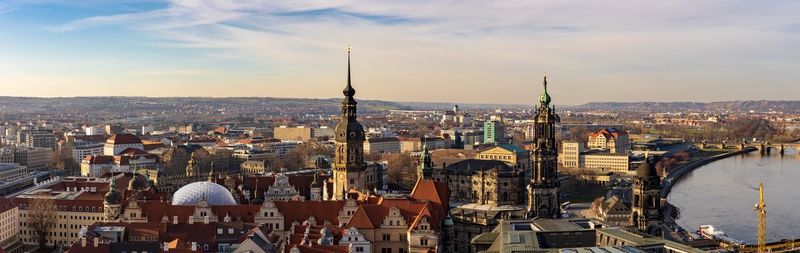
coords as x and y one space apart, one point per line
215 194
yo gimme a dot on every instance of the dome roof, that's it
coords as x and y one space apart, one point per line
111 196
191 194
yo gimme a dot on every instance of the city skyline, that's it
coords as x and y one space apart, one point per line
437 51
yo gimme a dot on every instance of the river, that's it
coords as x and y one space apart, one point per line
724 192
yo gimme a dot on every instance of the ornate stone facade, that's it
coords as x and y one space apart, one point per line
543 188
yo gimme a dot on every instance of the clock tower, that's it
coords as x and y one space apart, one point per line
348 163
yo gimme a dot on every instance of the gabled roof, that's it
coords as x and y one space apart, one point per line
360 220
431 190
300 211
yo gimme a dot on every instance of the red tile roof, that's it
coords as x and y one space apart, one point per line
123 139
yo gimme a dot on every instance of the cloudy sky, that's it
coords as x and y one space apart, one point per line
426 50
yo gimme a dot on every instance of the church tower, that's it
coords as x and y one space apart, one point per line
543 186
425 167
646 210
111 205
348 163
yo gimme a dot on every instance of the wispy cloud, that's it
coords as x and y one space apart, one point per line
446 45
5 8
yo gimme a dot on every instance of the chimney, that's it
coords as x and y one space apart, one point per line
191 219
194 246
83 241
175 219
96 242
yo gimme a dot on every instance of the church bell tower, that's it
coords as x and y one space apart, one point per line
543 187
348 164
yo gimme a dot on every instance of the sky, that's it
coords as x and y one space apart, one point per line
413 50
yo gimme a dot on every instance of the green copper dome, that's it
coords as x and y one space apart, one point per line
111 196
545 98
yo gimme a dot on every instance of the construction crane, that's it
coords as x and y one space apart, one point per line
760 208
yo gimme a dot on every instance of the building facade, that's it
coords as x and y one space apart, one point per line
382 145
611 139
512 155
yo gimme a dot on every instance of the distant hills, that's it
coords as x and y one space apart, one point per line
331 105
742 106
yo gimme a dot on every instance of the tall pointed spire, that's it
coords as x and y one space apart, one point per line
349 91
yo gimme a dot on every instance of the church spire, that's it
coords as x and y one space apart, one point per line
544 99
349 103
348 90
424 170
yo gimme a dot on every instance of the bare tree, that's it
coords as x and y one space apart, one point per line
42 219
402 170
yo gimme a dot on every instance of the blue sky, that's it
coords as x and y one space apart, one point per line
444 51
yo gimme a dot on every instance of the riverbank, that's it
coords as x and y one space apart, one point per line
676 174
683 169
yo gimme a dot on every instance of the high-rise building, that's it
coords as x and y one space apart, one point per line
493 131
543 187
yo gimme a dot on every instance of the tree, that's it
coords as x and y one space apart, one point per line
42 218
299 156
402 170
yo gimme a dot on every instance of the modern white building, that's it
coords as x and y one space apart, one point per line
94 130
83 149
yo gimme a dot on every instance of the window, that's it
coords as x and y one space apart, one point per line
387 237
423 241
386 250
359 249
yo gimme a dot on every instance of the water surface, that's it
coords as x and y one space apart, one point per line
724 192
